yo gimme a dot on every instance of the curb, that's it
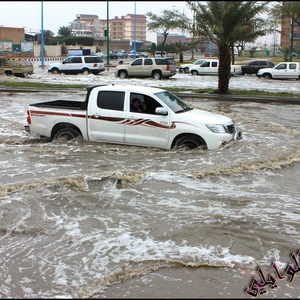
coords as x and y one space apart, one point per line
36 59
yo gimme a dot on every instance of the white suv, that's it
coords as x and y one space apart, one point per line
158 68
79 64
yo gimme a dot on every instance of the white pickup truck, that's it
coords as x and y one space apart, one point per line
107 116
283 70
211 67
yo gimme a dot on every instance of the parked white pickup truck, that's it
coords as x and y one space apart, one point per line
211 67
283 70
107 116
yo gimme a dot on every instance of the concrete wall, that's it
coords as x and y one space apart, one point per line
56 50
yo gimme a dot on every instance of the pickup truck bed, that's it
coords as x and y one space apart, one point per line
62 104
68 104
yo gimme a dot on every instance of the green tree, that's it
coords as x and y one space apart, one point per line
225 23
286 9
179 48
65 31
169 20
153 48
48 36
252 51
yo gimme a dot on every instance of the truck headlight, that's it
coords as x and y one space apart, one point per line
216 128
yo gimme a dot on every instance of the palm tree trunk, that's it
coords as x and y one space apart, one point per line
224 69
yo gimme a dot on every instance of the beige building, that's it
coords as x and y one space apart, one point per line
123 28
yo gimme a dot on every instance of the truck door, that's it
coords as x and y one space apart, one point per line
72 65
106 117
147 128
136 67
209 68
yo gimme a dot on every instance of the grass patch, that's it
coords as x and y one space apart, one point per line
42 85
171 89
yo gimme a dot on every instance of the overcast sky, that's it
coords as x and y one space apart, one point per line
57 14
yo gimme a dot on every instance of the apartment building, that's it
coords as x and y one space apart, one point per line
286 31
124 28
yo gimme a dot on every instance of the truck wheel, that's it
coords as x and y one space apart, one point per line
66 134
186 70
157 75
194 73
55 71
9 73
267 76
86 72
189 142
123 74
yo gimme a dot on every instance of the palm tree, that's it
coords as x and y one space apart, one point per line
48 36
225 23
170 19
180 48
65 31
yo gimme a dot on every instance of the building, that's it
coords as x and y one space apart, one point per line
15 35
286 31
130 27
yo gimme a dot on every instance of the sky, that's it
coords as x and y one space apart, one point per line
57 14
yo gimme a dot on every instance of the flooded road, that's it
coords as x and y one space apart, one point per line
93 220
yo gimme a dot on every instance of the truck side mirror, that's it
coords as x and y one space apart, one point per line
161 111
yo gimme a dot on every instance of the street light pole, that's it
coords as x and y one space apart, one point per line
107 36
134 35
42 36
193 50
182 36
292 35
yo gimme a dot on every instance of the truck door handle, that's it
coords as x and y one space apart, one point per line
97 116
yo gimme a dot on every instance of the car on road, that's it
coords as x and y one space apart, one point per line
131 54
112 55
78 64
155 67
253 66
120 53
160 54
186 67
137 54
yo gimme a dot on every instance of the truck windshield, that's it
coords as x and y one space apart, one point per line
173 102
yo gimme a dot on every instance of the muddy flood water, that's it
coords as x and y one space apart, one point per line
93 220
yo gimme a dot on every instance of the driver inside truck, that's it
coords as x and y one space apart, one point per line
136 106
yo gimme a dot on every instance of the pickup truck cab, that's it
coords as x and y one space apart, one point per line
283 70
107 116
211 67
186 67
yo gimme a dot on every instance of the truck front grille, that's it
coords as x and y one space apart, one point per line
230 127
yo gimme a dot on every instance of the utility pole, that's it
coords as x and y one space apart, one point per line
292 35
134 42
193 50
42 36
107 37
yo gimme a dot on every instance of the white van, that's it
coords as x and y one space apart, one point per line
160 54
